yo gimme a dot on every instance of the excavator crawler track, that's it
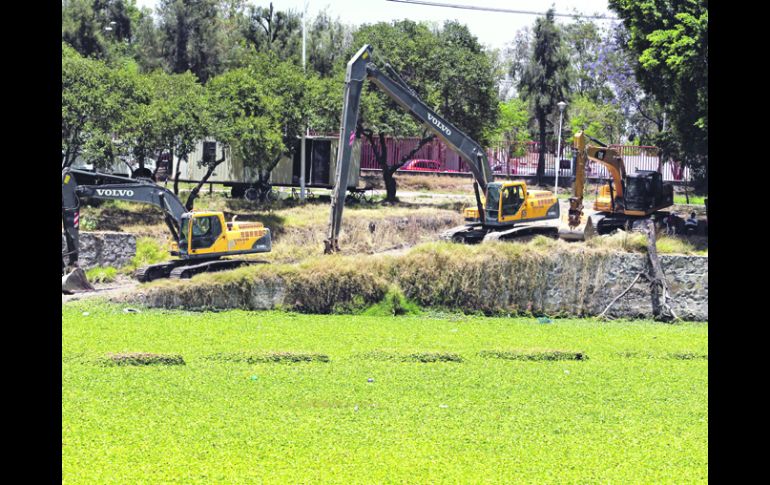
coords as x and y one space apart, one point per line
475 234
156 271
188 271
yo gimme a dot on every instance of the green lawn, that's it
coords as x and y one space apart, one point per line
636 411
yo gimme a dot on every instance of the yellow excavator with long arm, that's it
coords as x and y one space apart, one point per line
622 202
503 210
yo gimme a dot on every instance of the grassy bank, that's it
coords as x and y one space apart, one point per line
353 399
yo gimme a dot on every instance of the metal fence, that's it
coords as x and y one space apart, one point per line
521 158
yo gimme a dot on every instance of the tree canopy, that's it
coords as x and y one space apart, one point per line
545 80
670 40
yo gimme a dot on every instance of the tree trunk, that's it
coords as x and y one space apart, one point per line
541 155
178 174
196 190
380 149
658 288
390 185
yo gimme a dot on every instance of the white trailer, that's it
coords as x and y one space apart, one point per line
320 165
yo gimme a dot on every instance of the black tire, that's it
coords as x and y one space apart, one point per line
251 194
238 191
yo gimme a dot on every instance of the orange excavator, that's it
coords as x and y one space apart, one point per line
624 201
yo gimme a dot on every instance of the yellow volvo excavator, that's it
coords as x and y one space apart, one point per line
504 210
200 238
622 202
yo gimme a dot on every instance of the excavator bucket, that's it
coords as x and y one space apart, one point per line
584 231
75 281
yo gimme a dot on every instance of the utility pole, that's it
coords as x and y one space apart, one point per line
302 150
561 105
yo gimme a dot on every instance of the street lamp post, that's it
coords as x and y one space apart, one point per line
561 105
305 132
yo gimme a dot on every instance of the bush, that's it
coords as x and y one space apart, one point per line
102 275
148 251
393 304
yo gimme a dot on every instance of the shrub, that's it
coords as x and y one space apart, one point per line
102 275
148 251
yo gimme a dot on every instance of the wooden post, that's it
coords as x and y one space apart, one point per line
658 288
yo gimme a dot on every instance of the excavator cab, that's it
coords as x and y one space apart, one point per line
646 192
199 232
512 202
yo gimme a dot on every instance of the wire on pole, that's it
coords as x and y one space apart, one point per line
503 10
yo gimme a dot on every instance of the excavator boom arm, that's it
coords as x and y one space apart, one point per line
603 155
125 189
359 68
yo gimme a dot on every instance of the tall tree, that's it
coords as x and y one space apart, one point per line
545 80
584 40
328 40
670 38
279 32
616 64
95 102
259 112
193 38
99 28
148 47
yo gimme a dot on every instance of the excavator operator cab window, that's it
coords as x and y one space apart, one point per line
184 229
512 199
205 231
493 201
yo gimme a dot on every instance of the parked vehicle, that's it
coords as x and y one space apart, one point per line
422 165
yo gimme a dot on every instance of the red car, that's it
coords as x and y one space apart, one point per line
421 165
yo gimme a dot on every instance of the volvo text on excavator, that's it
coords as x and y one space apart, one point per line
503 210
200 238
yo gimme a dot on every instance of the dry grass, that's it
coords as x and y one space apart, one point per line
140 358
423 357
636 242
278 357
423 182
530 355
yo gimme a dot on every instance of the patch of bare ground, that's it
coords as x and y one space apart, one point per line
123 284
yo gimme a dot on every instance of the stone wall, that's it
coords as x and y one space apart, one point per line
104 249
561 284
687 278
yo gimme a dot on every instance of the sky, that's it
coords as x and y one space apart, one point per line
495 29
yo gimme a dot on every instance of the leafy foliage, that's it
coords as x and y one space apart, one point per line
447 68
259 110
96 102
599 120
670 38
